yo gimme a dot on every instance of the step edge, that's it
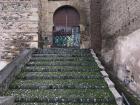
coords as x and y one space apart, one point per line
8 100
110 84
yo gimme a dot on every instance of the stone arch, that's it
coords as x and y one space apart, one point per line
73 18
84 12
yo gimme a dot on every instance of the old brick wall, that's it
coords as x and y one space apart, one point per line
95 24
120 39
18 27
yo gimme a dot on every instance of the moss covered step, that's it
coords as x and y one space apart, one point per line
61 63
59 84
59 75
61 69
62 51
63 95
62 59
64 104
62 55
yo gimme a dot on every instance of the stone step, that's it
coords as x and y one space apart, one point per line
61 55
64 103
42 86
61 50
59 84
62 59
59 75
60 69
63 95
61 63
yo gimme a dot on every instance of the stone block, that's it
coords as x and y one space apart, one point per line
109 83
104 73
117 96
9 100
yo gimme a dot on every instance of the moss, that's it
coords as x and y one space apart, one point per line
40 95
67 78
59 84
64 104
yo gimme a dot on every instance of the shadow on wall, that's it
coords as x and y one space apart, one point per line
127 60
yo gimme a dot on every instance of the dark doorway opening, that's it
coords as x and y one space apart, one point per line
66 30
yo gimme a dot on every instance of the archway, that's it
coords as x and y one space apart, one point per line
66 30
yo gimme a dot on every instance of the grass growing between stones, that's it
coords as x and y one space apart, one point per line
64 104
67 78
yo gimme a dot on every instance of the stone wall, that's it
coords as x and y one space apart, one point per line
18 27
95 25
50 6
120 40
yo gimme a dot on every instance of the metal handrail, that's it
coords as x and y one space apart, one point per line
125 99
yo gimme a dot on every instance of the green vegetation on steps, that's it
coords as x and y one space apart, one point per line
42 94
62 59
61 68
59 84
61 77
64 104
62 63
62 55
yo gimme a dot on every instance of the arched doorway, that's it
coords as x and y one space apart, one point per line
66 30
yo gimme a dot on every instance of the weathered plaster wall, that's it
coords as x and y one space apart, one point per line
48 9
120 47
18 27
127 60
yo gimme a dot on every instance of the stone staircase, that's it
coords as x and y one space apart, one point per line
61 77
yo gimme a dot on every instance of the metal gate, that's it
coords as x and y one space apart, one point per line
66 30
